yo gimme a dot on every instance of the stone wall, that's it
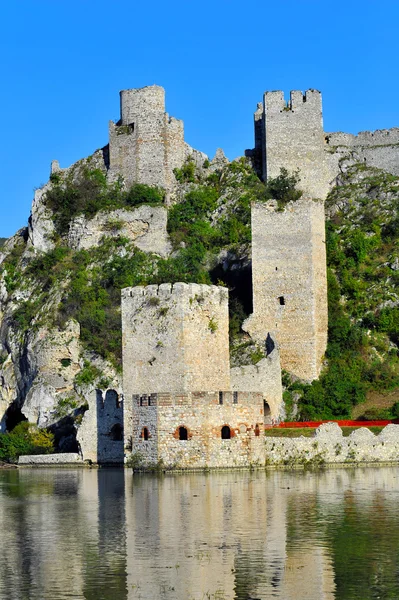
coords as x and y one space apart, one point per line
146 145
203 415
289 283
291 135
263 377
374 148
100 435
331 447
48 460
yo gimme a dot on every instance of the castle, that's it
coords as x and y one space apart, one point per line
181 403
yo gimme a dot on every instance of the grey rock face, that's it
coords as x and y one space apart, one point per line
144 226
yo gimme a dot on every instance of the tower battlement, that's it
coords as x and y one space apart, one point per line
290 135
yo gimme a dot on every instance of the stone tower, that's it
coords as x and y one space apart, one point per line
291 135
288 247
290 284
146 144
174 340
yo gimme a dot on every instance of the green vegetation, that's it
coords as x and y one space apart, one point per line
187 173
25 438
2 241
363 321
91 193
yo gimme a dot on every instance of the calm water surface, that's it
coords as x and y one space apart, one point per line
107 534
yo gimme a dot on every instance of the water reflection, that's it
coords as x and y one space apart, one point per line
104 534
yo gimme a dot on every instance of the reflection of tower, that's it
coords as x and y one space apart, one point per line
62 534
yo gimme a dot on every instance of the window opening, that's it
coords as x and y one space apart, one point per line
116 433
235 397
183 434
220 397
226 433
281 300
144 434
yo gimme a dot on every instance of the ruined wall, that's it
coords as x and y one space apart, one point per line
331 447
203 414
100 435
289 283
264 377
292 137
146 145
374 148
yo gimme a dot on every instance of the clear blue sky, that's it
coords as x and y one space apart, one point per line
63 63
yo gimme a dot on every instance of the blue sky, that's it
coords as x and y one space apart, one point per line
63 63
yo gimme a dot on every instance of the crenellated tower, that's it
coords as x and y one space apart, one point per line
291 135
288 246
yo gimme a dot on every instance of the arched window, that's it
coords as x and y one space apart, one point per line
226 433
116 433
112 396
183 434
144 434
267 416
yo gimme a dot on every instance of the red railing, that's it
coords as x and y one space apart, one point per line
294 424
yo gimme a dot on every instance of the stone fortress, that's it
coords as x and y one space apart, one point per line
181 404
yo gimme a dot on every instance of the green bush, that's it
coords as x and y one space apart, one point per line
283 188
91 193
25 438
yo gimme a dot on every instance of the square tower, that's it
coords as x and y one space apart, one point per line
290 283
291 135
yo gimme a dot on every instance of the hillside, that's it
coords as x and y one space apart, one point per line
363 276
61 306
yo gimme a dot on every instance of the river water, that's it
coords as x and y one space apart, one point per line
106 534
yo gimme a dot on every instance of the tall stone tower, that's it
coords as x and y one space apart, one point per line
290 284
146 144
291 135
288 247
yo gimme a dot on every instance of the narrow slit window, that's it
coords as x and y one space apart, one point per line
281 300
220 397
235 397
144 434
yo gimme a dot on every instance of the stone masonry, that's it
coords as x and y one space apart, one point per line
203 416
180 407
146 144
291 135
290 284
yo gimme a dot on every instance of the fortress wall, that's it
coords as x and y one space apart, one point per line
264 377
203 416
294 139
330 447
289 284
100 434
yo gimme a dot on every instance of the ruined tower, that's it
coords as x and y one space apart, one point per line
288 246
146 144
290 284
291 135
